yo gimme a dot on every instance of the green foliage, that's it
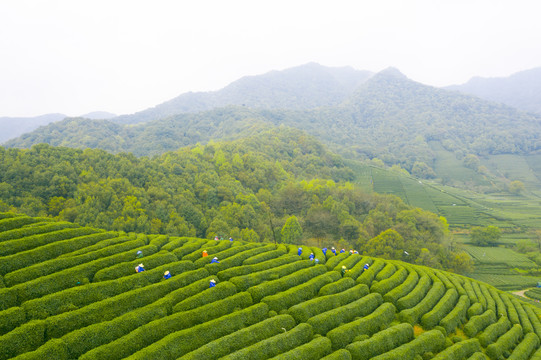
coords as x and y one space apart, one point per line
337 286
314 350
430 341
457 315
441 309
413 315
341 354
525 348
25 338
494 331
478 323
505 343
415 295
459 351
381 342
11 318
485 236
244 282
291 232
403 289
219 292
256 266
384 286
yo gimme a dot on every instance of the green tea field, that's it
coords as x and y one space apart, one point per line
71 292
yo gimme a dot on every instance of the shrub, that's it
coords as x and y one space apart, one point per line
188 247
181 342
475 309
127 268
534 320
183 293
210 295
445 280
337 286
384 286
70 277
305 310
120 239
457 315
479 322
416 294
246 281
53 349
526 347
494 331
177 242
504 343
479 294
358 269
403 289
501 306
368 276
242 338
26 337
470 292
275 345
8 298
222 255
381 342
511 313
269 255
386 272
299 293
324 322
341 354
478 356
412 315
258 292
459 351
527 326
49 251
313 350
335 260
349 262
38 228
430 341
238 258
11 318
16 222
212 247
50 266
491 304
260 266
369 324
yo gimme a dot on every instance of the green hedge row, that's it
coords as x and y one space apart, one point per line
527 326
177 242
70 277
14 246
83 295
457 282
478 356
457 315
479 322
283 283
224 254
122 238
413 314
341 354
494 331
313 350
11 318
441 309
182 342
183 293
335 260
16 222
381 342
479 294
446 281
534 320
54 265
38 228
502 347
404 289
128 267
386 285
9 214
238 258
491 304
526 347
475 309
26 258
337 286
246 281
193 245
470 292
511 313
269 255
300 293
416 294
368 276
275 345
370 324
256 267
501 306
26 337
303 311
8 298
54 349
210 295
212 247
358 269
386 272
349 262
242 338
318 254
328 320
158 240
460 350
430 341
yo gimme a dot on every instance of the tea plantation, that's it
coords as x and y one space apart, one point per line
71 292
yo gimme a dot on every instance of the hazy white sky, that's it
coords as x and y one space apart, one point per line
123 56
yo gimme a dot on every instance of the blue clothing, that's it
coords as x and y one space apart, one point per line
333 251
365 266
342 251
230 239
324 251
299 252
311 256
212 284
214 261
139 269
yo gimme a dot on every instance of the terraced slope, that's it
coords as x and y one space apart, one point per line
69 292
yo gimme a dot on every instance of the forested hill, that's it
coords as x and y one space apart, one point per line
388 116
303 87
521 90
279 186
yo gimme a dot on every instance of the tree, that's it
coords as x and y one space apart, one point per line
485 236
388 245
422 170
516 187
292 231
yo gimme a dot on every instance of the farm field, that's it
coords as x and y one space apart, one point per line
68 292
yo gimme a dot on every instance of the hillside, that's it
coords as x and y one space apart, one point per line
71 292
303 87
521 90
13 127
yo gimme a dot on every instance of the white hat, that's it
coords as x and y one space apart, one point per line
166 273
141 265
215 258
343 267
213 280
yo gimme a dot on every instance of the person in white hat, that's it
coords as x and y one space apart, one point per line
214 261
139 268
212 283
167 275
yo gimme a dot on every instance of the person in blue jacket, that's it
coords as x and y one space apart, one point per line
333 250
299 252
366 266
230 238
212 283
139 254
311 257
167 275
214 261
324 251
342 251
139 268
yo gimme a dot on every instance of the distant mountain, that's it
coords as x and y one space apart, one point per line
99 115
303 87
388 116
521 90
12 127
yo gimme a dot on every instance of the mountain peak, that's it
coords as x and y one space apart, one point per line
392 71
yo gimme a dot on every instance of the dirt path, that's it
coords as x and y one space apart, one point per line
521 293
